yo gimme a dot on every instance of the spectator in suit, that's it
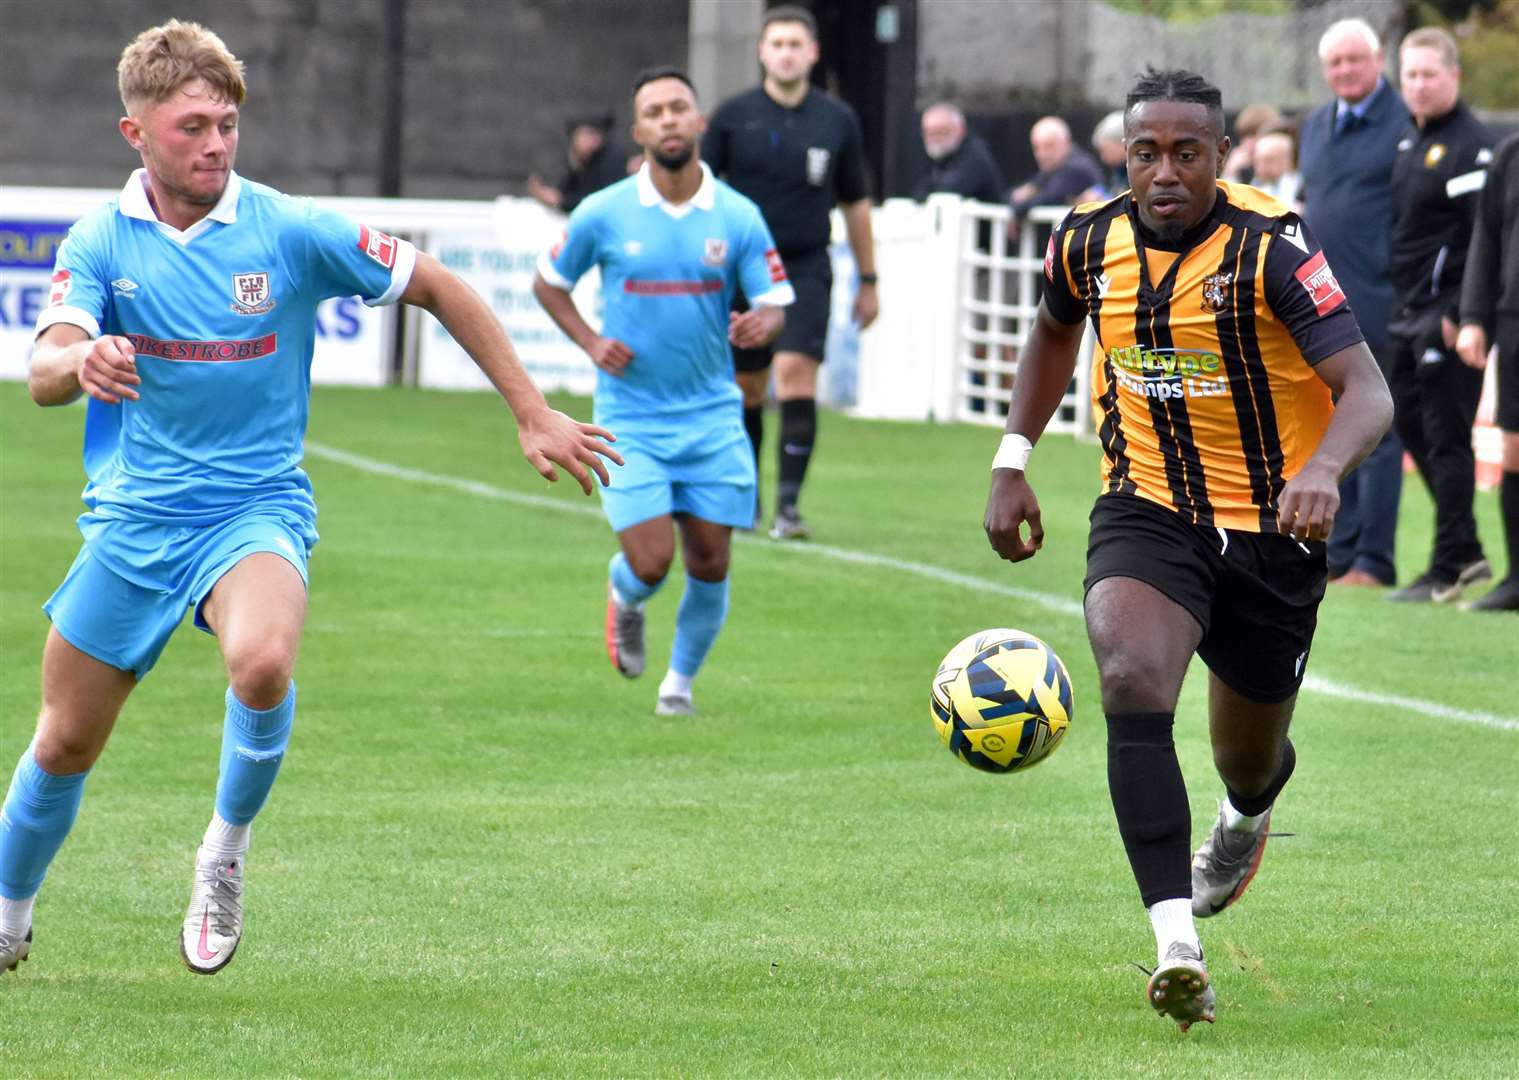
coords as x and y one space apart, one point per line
959 161
1346 151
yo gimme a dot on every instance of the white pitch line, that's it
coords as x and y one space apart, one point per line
1061 605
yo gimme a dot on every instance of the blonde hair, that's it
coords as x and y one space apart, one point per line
161 60
1432 37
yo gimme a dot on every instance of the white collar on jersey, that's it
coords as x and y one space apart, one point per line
704 199
134 204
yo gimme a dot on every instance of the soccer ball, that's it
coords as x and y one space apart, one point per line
1001 701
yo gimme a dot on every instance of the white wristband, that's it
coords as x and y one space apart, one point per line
1013 453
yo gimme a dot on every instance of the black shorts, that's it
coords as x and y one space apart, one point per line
1506 416
1255 595
806 329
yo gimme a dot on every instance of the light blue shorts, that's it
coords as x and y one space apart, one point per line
707 474
107 610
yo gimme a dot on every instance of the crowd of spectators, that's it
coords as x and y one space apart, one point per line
1387 175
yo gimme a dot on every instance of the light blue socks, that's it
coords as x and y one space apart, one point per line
253 745
703 607
39 811
630 588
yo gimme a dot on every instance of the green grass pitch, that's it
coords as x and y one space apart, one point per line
486 856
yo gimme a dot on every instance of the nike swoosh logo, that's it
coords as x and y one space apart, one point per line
205 927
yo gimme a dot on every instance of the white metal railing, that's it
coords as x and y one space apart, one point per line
957 304
998 299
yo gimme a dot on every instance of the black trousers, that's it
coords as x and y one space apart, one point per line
1434 405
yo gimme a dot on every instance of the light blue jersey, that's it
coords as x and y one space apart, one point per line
668 275
223 317
203 470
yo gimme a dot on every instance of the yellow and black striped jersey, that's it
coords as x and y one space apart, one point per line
1202 381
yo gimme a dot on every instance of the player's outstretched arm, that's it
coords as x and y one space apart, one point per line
66 362
1044 372
1362 415
548 437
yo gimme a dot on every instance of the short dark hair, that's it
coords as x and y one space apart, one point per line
790 13
663 71
1178 85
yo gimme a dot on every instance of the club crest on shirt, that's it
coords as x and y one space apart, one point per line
250 293
817 165
1433 155
1216 292
716 252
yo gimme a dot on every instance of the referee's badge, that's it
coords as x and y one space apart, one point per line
1216 292
716 253
817 165
250 293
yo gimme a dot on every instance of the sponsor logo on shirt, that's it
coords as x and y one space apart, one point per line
125 288
642 287
379 246
716 252
63 282
776 267
817 165
1049 259
250 293
1318 281
204 352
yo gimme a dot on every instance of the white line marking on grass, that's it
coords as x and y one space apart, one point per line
1319 685
1059 604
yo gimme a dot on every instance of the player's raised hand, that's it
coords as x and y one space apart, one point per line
108 371
1306 508
610 355
1010 505
550 438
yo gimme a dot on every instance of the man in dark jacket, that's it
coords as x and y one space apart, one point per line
1440 168
1345 154
591 163
959 161
1490 308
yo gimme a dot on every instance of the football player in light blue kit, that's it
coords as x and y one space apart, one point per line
186 310
671 242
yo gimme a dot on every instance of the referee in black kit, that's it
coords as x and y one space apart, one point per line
796 151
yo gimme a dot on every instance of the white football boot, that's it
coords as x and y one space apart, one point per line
13 950
214 921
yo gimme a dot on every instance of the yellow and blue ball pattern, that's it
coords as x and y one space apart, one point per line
1001 701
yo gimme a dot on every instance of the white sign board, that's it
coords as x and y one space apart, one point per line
499 264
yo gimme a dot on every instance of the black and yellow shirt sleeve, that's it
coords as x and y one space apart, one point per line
1303 293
